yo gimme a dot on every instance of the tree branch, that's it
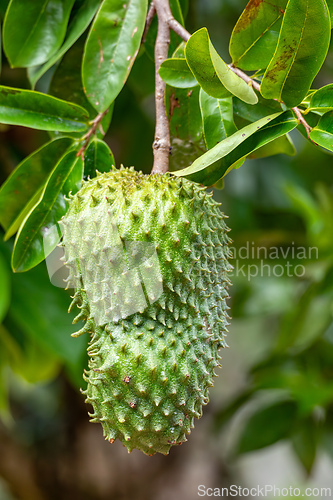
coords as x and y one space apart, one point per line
303 121
161 145
95 124
150 17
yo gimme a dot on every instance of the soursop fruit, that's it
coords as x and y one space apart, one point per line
148 258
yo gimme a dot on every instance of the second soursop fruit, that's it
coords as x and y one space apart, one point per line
148 260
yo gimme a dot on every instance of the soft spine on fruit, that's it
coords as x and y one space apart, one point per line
150 371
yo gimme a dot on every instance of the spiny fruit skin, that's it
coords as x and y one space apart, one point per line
155 334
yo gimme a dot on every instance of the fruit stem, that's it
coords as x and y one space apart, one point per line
161 145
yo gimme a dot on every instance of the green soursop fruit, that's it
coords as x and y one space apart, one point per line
148 259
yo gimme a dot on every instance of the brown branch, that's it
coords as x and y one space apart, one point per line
178 28
95 124
161 145
150 17
303 121
245 77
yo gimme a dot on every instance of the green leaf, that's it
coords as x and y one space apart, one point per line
183 110
5 289
263 108
28 177
16 224
175 72
217 118
322 133
98 157
267 425
112 45
212 73
79 23
40 111
256 33
34 32
281 145
302 48
208 168
322 99
29 248
66 84
305 442
182 106
330 7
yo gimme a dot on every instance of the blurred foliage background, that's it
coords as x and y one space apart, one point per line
270 419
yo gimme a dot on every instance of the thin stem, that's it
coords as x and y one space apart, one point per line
161 145
95 124
245 77
178 28
303 121
150 17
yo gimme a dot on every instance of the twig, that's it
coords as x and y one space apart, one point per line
95 124
161 145
178 28
150 17
245 77
303 121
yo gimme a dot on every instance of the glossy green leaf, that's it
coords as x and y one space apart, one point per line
40 111
5 288
322 99
322 133
281 145
29 177
34 31
305 442
17 222
263 108
245 114
267 425
78 24
217 118
303 44
175 72
29 246
256 33
208 168
112 45
212 73
98 157
186 132
66 84
182 106
330 8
